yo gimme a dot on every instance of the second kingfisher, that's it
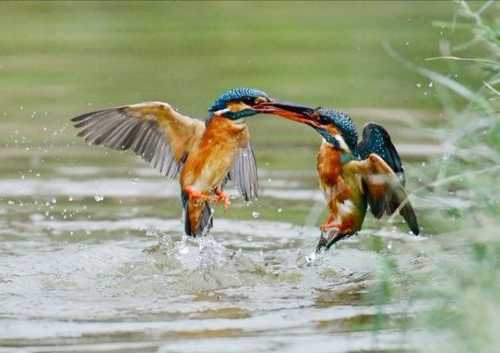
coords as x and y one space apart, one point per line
354 175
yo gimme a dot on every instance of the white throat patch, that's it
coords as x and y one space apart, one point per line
342 143
340 140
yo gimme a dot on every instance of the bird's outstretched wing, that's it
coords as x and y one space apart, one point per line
244 172
153 130
376 139
385 190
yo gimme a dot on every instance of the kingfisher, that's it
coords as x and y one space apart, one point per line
354 175
206 154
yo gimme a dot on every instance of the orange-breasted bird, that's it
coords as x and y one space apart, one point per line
206 153
354 175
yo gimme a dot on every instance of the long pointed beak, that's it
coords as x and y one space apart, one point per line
290 111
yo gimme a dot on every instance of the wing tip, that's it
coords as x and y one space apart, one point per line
79 118
82 117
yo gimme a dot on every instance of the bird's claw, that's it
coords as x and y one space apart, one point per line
221 196
321 244
326 227
327 239
197 195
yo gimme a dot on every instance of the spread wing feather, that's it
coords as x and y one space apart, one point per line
385 191
153 130
376 139
244 173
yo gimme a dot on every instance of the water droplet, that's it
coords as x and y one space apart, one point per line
419 84
255 214
430 84
53 200
280 210
98 198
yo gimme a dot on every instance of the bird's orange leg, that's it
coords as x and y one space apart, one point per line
196 195
333 233
329 223
221 196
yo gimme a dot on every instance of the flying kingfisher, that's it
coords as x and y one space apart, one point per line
354 175
206 153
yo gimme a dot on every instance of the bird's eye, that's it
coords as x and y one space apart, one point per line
248 100
323 119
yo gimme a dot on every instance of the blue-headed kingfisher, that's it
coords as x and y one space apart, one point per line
206 153
354 175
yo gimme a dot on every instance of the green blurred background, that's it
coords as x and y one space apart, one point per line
60 59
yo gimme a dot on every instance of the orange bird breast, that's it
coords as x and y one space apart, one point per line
210 161
329 165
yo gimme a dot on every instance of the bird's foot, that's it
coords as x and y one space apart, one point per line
197 195
327 239
326 227
221 196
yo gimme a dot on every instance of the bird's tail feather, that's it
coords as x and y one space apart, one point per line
397 197
198 217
